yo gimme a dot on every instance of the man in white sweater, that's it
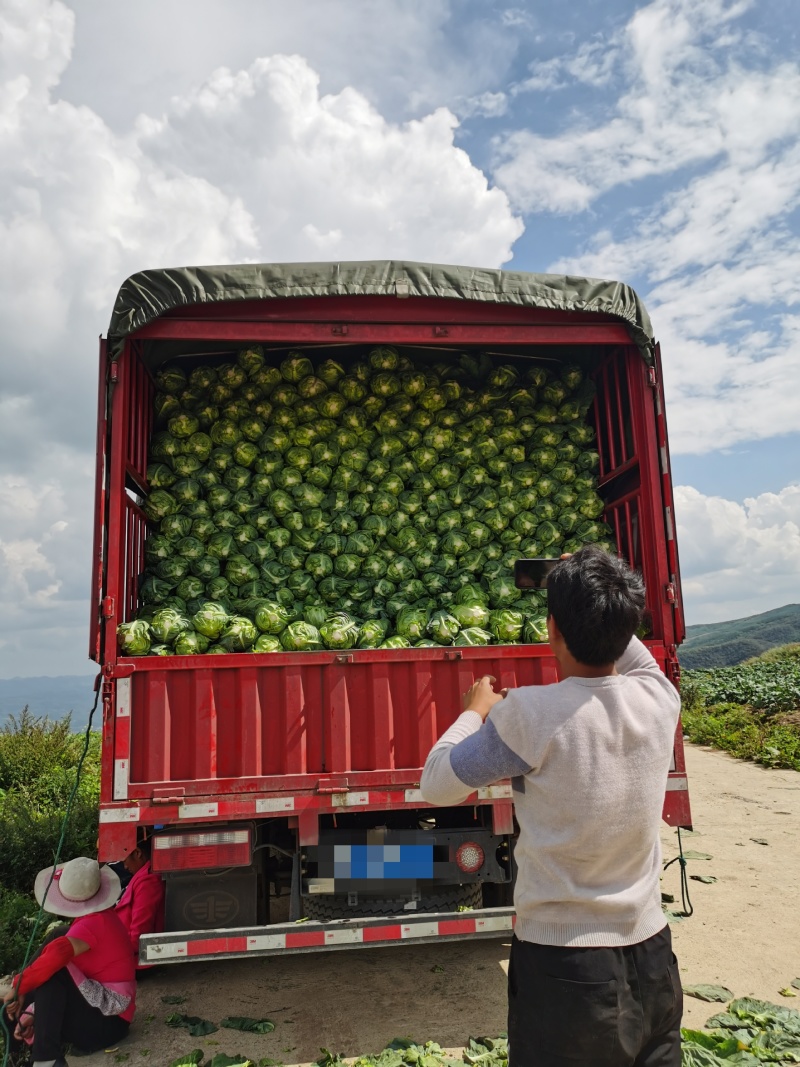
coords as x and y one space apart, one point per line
592 978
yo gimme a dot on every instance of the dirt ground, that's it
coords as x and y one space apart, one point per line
744 934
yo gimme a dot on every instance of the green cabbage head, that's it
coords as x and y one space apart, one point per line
134 638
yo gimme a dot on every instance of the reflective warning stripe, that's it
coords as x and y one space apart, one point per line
122 738
313 936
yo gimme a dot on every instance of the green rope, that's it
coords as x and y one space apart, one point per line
688 909
57 858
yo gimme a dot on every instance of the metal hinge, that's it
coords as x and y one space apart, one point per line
107 607
670 594
344 657
452 653
652 377
339 331
171 795
440 331
327 786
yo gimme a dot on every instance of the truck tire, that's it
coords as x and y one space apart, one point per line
325 907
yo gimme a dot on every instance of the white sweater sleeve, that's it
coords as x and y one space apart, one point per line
439 783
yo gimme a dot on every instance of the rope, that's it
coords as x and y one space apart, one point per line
64 824
688 909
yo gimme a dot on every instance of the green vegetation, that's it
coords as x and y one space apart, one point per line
751 710
38 758
724 644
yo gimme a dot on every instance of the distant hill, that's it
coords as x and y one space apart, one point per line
53 697
723 644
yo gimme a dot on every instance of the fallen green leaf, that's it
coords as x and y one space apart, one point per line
196 1026
760 840
173 999
787 992
715 993
253 1026
796 983
692 855
437 968
667 898
189 1059
221 1060
706 879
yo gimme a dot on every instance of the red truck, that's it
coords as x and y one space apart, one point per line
285 785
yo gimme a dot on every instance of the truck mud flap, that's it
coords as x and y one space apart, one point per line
282 938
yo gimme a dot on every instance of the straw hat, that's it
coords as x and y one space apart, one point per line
79 887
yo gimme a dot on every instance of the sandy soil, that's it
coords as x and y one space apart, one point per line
744 934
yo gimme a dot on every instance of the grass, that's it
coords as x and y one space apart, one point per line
751 710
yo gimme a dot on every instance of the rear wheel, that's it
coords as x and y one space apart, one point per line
325 907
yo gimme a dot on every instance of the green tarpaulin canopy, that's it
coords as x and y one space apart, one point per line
151 293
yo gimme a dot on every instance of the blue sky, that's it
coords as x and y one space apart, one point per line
655 142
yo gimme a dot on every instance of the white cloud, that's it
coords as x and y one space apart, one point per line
717 254
688 98
738 559
251 164
310 165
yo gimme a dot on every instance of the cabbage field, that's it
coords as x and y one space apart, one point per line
303 503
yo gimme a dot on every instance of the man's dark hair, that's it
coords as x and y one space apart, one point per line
597 603
145 846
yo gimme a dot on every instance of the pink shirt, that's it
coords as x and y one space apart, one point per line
109 957
141 907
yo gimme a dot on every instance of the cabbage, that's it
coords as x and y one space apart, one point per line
190 643
534 630
339 630
333 589
271 617
315 613
372 633
301 637
172 569
154 590
506 625
166 623
267 643
239 570
347 565
473 635
396 642
159 504
218 589
411 622
220 545
210 620
442 627
134 638
503 593
239 634
470 613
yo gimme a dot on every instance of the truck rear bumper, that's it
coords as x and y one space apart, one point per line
282 938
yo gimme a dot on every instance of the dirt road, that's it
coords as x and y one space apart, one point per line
745 934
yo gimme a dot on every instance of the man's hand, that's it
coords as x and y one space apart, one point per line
481 697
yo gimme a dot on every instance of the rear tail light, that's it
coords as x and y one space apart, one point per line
469 857
195 851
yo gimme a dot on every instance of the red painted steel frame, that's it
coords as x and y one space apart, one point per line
229 748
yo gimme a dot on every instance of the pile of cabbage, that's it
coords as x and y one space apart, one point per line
302 504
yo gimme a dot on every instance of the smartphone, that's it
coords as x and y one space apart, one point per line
532 573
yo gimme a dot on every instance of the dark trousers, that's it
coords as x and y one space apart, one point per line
597 1007
64 1016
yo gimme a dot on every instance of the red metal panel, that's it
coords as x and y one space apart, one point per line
387 310
300 333
98 553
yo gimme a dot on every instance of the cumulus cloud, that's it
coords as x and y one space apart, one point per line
716 255
252 164
738 559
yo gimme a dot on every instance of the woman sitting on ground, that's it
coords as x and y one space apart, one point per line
141 906
81 987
